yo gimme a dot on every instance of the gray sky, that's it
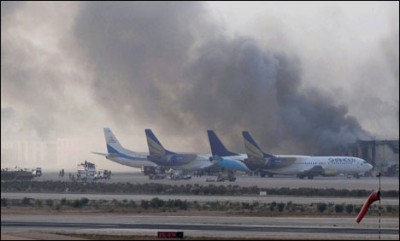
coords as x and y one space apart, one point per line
302 77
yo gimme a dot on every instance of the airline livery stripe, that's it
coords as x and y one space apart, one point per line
253 150
154 147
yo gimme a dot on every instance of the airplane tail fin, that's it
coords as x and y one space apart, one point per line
155 147
252 149
113 145
217 148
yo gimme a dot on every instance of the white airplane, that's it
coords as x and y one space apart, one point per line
302 166
117 153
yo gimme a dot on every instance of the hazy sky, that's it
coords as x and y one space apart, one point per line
302 77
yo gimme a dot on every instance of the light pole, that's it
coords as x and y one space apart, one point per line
379 206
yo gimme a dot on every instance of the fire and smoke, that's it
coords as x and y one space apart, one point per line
73 68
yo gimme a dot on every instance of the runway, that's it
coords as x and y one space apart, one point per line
241 228
211 227
206 226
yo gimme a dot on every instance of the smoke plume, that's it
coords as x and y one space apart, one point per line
69 69
168 66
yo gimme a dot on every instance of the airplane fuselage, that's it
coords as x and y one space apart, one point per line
300 165
234 162
327 165
131 161
181 161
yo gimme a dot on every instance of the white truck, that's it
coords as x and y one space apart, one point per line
86 171
103 174
37 172
178 175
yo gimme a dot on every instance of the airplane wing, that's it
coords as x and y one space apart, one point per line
99 153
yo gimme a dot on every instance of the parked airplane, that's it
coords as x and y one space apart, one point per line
302 166
227 159
159 151
117 153
178 161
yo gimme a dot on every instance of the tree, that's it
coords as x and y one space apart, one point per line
349 208
321 207
281 206
339 208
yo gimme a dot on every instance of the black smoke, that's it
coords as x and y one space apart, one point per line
167 65
237 86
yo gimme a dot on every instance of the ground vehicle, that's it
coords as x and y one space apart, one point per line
178 175
154 173
37 172
229 176
86 171
157 176
147 170
103 174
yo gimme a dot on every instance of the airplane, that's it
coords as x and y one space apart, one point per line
177 161
117 153
225 158
301 165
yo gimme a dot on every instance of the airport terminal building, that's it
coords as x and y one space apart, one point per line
382 154
29 153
